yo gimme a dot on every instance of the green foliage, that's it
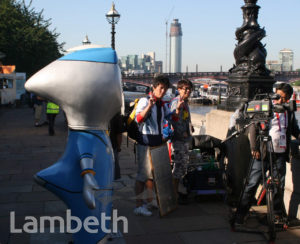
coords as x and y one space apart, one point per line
25 37
296 83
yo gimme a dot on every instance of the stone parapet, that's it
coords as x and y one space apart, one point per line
217 123
198 122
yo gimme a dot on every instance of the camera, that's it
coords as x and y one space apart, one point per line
261 108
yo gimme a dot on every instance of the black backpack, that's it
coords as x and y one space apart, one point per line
131 125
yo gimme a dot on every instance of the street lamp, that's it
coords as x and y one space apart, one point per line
113 17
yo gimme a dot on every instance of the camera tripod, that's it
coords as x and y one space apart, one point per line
273 182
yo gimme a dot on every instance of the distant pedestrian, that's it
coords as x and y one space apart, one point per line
181 122
39 112
52 111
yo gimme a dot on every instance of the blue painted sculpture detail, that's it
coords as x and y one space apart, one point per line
84 84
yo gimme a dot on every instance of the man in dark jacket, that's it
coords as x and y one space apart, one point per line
282 126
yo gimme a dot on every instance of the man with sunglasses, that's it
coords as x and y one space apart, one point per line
282 126
181 122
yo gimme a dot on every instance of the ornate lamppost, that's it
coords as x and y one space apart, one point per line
249 75
113 17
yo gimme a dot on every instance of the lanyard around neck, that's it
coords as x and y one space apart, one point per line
278 120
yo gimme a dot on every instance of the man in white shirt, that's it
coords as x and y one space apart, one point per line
150 114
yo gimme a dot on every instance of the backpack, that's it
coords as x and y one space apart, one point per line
131 125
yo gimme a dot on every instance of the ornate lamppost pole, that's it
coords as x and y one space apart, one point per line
249 75
113 17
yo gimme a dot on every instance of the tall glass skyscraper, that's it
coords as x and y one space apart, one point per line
175 47
286 58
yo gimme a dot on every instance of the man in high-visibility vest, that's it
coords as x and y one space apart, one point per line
52 111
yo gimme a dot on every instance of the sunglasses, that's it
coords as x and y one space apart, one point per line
186 88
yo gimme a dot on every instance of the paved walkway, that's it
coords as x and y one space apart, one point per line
25 149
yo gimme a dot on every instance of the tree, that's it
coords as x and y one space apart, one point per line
25 37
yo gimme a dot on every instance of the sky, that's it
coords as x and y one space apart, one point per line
208 27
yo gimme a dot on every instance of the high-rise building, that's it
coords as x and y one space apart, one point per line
286 58
158 66
175 47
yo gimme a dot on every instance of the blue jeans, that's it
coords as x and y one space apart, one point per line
279 170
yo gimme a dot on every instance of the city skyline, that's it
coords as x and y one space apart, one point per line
209 27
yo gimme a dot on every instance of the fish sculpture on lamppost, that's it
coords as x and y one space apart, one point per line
249 75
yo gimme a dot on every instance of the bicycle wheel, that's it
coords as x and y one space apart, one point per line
270 214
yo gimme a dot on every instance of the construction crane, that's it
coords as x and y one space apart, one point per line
166 21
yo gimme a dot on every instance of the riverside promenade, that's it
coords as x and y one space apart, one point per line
25 150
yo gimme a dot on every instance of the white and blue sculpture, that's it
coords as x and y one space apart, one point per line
87 86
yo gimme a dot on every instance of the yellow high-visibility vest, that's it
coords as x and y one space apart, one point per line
52 108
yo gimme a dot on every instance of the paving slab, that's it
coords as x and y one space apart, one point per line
52 207
22 208
161 238
221 236
50 237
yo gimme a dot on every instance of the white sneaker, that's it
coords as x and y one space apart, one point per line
142 211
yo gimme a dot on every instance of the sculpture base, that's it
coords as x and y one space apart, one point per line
244 88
